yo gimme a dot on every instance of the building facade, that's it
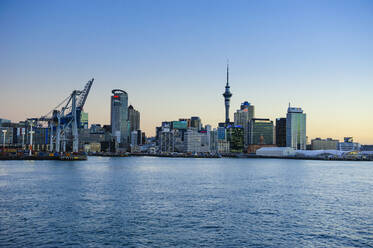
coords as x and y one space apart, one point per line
83 120
166 143
281 132
133 119
349 145
197 141
296 129
324 144
235 138
119 117
242 118
260 132
223 147
214 141
196 122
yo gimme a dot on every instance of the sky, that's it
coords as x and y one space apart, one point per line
170 57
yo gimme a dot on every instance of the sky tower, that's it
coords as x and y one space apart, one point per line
227 97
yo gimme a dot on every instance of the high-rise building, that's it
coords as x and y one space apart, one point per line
133 119
222 133
83 120
235 138
296 129
167 141
119 117
242 118
260 132
134 138
195 122
213 141
281 132
197 142
227 97
143 138
208 127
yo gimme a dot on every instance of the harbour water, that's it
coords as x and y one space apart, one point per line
181 202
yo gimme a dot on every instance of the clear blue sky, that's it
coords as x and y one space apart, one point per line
170 57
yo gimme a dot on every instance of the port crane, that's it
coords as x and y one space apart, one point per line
63 121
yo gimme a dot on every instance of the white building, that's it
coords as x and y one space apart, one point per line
134 138
167 140
348 145
223 146
275 152
214 141
196 142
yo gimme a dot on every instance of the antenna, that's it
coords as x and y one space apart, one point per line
227 72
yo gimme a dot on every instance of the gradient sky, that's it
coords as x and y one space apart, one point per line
170 56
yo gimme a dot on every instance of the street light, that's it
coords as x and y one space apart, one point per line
4 134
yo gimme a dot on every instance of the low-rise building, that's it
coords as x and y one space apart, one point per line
349 145
324 144
251 149
92 147
276 152
366 148
223 147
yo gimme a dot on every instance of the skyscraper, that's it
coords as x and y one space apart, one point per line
227 97
281 132
133 118
196 122
242 118
296 129
119 117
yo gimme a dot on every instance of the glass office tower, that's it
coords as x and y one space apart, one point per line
119 117
242 118
260 132
296 129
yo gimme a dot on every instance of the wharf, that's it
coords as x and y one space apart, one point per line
232 155
43 156
179 155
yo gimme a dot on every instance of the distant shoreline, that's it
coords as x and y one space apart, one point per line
239 156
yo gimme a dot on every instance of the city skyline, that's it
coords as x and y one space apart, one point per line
174 67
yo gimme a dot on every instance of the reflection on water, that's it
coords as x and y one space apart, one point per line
167 202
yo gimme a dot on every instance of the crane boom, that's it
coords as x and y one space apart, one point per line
84 94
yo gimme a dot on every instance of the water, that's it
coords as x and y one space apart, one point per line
168 202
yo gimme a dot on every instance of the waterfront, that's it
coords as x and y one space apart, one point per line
168 202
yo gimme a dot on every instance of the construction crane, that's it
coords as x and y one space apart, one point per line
63 120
